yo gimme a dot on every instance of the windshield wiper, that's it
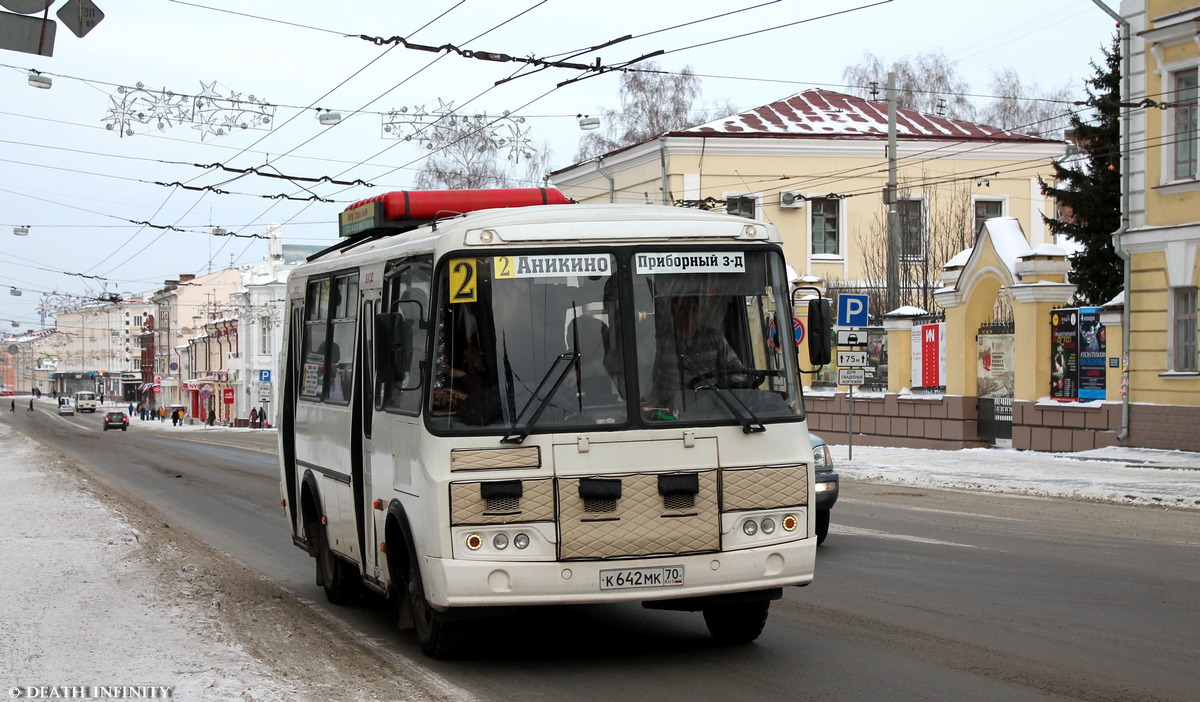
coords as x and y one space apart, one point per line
558 371
751 424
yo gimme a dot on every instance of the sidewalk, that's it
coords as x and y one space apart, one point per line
90 602
1116 474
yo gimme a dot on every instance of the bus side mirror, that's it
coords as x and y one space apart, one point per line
391 349
820 332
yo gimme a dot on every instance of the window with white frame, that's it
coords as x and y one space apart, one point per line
1185 331
264 335
824 231
912 228
985 210
1184 146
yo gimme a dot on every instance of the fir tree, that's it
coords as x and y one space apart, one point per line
1088 187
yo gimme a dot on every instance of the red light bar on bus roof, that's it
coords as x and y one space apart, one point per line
407 208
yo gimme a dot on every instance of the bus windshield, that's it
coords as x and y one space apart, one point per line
549 341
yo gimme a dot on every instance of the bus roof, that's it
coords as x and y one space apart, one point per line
553 225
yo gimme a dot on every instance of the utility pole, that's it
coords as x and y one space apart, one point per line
889 199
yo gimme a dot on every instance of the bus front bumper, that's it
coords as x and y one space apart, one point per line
473 583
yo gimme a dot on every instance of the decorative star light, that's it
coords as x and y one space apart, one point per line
442 124
138 110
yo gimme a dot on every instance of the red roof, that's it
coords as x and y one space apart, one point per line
826 114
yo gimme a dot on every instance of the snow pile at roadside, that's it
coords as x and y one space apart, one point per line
1118 475
84 608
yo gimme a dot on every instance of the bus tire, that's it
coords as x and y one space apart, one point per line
339 578
439 637
738 623
822 525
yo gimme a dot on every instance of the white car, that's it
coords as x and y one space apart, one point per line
66 408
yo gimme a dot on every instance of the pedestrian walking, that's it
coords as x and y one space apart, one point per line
14 405
130 409
162 414
253 418
31 404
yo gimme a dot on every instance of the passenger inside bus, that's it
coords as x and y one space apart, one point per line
465 389
701 354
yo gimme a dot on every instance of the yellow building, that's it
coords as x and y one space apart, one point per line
816 166
1162 239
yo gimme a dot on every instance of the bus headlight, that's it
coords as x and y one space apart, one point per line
749 527
768 525
506 542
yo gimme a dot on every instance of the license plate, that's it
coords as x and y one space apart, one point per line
662 576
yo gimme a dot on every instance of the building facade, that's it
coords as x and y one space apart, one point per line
815 165
1161 232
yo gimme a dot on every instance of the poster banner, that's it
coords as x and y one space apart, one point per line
1064 354
994 369
1092 352
929 355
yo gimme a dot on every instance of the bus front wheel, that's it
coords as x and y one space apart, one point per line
738 623
438 636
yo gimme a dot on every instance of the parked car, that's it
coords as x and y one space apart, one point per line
116 420
826 487
66 408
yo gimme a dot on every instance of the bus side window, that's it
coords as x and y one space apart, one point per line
316 333
401 335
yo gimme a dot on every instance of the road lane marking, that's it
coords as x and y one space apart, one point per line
858 531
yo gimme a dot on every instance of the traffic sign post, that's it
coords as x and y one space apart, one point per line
851 377
851 359
852 310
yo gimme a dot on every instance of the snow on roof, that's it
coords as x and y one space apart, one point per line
906 311
829 114
1048 250
1008 240
959 259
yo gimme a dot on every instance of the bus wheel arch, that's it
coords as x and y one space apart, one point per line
398 553
439 634
340 580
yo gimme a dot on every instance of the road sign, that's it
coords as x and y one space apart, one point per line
80 16
851 359
851 310
851 376
30 35
264 376
851 337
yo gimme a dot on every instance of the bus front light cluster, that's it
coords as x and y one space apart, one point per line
525 542
753 529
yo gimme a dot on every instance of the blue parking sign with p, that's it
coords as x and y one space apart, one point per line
264 376
851 310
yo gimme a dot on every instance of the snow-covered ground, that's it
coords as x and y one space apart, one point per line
85 610
1115 474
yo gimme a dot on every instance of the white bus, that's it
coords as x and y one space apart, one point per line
85 401
489 401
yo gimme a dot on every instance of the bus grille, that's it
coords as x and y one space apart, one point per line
642 522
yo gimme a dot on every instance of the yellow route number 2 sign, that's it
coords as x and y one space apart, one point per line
464 283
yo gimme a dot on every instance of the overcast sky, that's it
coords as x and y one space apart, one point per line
80 187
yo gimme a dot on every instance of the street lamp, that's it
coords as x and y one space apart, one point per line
40 81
